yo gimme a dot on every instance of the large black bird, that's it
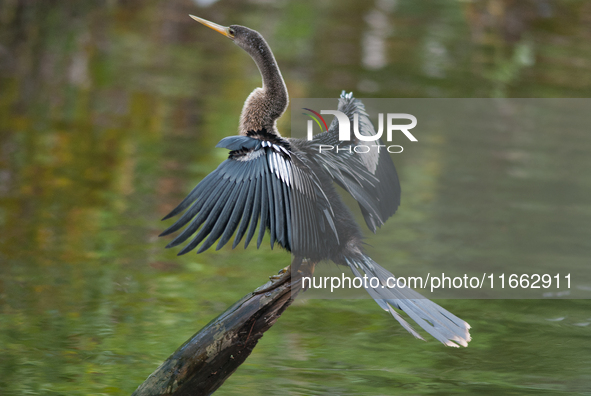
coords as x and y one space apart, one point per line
286 187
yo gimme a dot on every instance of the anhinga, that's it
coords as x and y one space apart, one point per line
286 187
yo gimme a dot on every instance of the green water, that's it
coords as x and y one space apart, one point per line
108 115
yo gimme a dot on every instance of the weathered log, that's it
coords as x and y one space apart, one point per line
206 360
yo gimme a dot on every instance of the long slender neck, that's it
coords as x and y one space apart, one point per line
264 105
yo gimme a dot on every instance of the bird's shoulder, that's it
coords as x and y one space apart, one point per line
255 144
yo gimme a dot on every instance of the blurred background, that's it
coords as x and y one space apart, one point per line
109 112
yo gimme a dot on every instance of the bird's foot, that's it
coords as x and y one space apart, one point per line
281 273
306 268
275 280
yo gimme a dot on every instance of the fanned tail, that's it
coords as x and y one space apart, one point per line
437 321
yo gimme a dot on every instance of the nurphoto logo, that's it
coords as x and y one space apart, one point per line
363 135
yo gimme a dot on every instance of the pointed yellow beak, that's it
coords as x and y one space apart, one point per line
218 28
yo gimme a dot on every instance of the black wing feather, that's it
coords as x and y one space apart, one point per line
264 210
199 209
256 212
223 221
246 214
258 185
237 212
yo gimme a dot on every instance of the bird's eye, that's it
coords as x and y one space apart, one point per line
232 32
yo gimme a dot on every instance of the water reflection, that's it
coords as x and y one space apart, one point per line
108 113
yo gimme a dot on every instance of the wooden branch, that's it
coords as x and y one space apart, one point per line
206 360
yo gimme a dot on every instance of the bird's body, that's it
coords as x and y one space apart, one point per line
286 187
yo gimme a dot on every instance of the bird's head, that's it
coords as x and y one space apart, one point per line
246 38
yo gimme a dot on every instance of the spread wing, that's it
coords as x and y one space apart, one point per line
378 197
261 183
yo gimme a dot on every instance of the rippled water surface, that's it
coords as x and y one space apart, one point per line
109 112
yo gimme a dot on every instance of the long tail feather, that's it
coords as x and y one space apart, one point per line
435 320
